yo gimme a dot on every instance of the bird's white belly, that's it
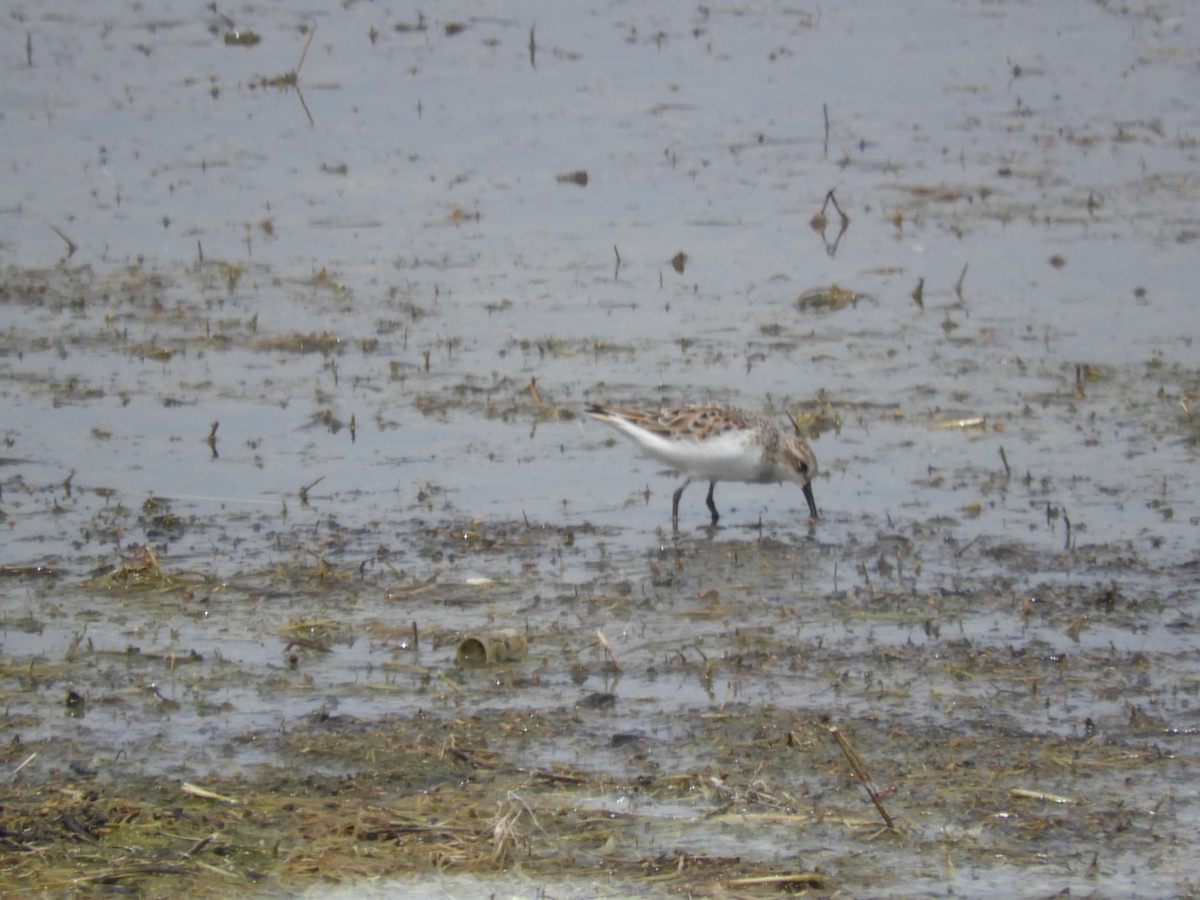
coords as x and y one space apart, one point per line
726 457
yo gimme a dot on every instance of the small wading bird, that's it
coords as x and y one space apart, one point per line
717 443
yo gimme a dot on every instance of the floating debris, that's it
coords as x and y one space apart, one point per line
828 299
242 38
969 422
490 647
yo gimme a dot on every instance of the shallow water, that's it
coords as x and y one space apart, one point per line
398 304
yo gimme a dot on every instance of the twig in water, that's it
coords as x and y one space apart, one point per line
608 651
860 772
13 774
308 487
71 247
201 844
819 222
304 52
831 198
205 794
1040 795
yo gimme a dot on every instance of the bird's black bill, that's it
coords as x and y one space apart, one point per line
812 504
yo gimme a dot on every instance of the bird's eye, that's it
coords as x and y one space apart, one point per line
802 468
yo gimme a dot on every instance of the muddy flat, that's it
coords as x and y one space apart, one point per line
315 577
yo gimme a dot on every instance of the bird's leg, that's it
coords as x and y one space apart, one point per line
712 507
675 501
